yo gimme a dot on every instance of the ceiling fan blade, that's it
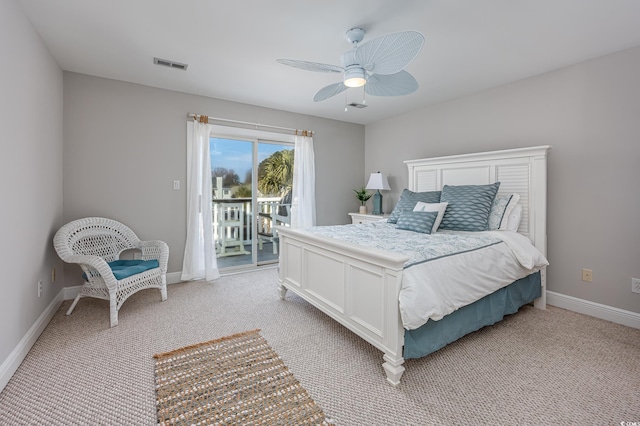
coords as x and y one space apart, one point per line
391 53
311 66
329 91
398 84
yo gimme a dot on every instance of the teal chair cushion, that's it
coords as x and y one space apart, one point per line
125 268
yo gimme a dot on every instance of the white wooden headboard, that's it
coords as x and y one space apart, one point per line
522 171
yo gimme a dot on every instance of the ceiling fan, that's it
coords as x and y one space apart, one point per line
378 65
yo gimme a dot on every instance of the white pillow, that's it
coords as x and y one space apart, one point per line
432 207
500 210
513 221
504 224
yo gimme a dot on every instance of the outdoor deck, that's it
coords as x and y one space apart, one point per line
265 256
234 231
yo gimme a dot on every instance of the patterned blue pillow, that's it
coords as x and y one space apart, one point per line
408 200
469 206
417 221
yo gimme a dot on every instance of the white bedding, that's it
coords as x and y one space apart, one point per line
434 289
447 270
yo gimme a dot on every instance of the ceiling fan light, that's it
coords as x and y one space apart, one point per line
355 82
354 77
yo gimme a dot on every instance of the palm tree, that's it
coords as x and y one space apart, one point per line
243 191
275 173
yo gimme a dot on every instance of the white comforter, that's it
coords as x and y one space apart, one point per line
433 289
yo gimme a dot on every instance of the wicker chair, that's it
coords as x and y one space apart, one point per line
92 242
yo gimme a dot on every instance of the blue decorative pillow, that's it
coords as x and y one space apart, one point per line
417 221
469 206
408 200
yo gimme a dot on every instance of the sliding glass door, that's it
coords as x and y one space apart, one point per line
231 170
251 184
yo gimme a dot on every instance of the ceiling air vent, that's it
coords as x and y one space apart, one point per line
357 105
170 64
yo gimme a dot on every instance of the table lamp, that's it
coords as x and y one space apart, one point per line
378 181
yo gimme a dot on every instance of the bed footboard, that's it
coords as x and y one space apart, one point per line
357 287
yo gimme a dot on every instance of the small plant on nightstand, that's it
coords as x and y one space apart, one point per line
362 195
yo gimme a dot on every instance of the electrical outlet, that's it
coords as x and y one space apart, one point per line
587 275
635 285
39 288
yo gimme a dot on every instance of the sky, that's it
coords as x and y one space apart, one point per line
236 154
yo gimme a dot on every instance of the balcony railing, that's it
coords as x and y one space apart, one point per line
232 224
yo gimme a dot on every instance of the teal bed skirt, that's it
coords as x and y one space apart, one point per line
490 309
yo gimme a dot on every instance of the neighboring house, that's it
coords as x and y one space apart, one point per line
67 152
220 192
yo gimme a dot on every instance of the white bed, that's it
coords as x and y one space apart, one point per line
359 287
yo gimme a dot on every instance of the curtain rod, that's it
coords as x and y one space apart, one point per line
206 119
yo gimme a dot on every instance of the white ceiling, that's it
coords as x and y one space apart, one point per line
231 47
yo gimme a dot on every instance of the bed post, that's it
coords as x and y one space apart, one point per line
539 214
394 331
393 369
282 290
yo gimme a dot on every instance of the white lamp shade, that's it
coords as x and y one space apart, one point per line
378 181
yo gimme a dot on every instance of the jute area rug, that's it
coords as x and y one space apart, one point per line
234 380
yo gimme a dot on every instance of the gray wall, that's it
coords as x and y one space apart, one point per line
126 143
30 172
590 114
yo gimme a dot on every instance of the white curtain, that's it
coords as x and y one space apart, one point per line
303 205
199 253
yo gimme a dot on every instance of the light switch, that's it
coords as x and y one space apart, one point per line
176 184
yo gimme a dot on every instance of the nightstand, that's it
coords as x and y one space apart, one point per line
367 218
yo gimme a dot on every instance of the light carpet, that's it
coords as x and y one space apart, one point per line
237 379
535 367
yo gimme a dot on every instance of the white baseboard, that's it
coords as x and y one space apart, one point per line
609 313
174 277
15 358
70 293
